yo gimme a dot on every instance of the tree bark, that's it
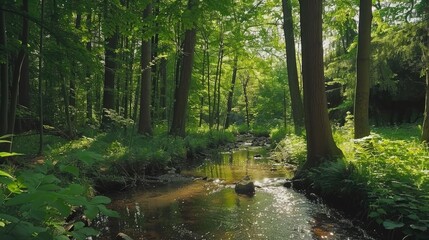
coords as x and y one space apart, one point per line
109 77
163 88
245 82
20 70
231 92
145 120
425 128
181 101
4 81
89 101
295 95
320 143
361 105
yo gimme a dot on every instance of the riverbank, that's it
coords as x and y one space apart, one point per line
54 195
382 181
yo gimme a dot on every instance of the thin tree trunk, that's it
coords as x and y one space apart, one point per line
89 90
20 70
145 121
231 92
66 105
320 143
361 123
209 100
180 105
4 86
244 83
295 95
163 88
203 68
40 78
425 128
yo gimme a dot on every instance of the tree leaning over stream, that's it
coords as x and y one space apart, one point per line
320 143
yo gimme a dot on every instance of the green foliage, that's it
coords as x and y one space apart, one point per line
291 149
34 203
396 173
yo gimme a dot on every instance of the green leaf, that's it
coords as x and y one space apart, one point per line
78 225
3 173
100 200
9 154
108 212
91 212
70 169
389 224
8 218
421 228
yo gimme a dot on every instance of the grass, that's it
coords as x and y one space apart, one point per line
385 176
118 154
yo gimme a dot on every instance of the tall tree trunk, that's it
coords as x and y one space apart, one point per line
89 90
181 101
42 20
20 70
231 92
245 82
295 95
216 90
425 128
4 84
145 121
320 143
363 60
109 76
163 88
209 99
66 105
203 69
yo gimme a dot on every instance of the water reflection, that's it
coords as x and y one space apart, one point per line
212 210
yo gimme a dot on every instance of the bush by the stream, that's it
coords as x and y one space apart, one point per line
36 201
386 176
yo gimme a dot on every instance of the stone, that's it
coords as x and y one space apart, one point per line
245 188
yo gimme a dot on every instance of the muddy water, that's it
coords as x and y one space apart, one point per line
210 209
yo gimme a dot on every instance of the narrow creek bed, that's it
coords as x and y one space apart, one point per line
207 207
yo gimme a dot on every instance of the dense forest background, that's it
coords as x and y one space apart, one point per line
132 86
72 65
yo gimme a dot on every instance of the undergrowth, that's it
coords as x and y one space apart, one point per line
384 175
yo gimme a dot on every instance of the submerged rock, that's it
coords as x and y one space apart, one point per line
245 188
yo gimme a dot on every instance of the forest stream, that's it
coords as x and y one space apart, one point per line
205 205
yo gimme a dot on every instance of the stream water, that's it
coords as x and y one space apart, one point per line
210 208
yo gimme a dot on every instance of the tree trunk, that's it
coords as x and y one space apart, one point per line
145 121
203 68
109 77
181 101
320 143
295 95
163 88
245 82
42 20
20 70
425 128
231 92
89 101
361 124
4 86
